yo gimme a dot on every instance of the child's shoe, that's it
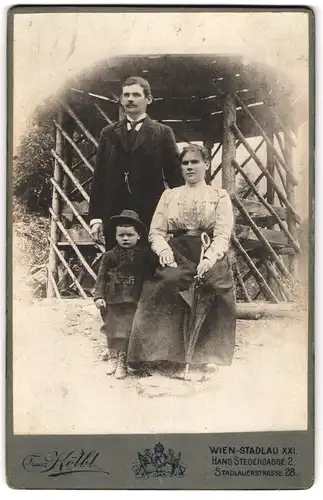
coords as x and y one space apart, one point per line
111 364
121 369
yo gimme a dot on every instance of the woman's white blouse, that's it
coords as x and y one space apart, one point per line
199 207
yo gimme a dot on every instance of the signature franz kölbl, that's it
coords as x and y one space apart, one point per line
56 463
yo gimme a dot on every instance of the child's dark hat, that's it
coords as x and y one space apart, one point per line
128 217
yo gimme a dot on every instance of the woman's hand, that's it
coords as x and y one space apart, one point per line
100 303
166 258
203 267
97 232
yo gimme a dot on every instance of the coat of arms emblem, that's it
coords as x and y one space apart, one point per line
158 463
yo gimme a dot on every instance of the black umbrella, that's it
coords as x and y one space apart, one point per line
199 309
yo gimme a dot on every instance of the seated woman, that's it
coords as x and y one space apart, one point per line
159 331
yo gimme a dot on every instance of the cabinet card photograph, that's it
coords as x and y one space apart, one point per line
160 238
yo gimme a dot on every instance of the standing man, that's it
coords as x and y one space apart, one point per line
136 157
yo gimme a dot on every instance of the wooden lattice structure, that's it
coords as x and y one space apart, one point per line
237 111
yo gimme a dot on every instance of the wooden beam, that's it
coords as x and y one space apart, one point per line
246 161
241 282
216 151
265 309
272 273
88 243
262 237
268 141
102 113
281 126
257 294
83 184
54 232
80 162
71 242
53 283
249 274
258 209
71 175
75 147
248 235
290 191
218 168
85 131
270 209
280 173
266 173
75 212
270 167
208 145
261 280
229 143
256 182
280 143
67 267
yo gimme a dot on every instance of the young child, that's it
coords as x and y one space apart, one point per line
117 291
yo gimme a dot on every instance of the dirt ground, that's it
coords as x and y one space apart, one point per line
60 385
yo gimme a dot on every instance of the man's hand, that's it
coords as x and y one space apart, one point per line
97 232
100 303
203 267
166 258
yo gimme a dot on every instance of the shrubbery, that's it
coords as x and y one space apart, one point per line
33 163
32 169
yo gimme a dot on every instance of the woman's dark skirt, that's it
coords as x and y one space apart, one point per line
159 322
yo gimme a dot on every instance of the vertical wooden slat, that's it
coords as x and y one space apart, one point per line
229 143
68 152
290 192
209 146
270 167
53 282
54 230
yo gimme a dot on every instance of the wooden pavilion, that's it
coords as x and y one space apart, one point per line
223 102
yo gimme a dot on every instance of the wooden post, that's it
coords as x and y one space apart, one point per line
270 168
68 156
54 230
229 143
209 146
290 192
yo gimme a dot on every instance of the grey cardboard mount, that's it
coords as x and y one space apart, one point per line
259 460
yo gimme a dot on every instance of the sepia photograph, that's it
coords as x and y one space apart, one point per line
160 222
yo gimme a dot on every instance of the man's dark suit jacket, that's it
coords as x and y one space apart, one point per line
152 160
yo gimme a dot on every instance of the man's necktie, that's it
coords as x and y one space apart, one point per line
134 124
131 137
132 133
